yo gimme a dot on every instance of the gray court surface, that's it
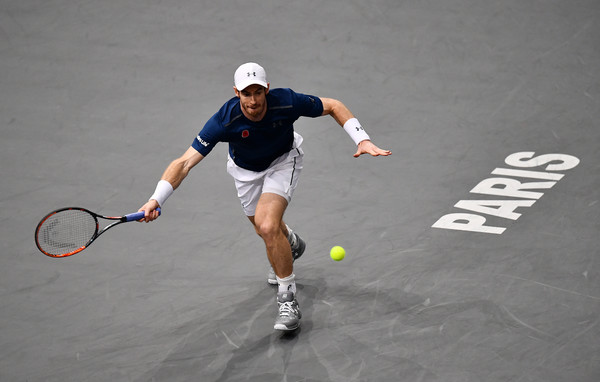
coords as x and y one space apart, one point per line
97 97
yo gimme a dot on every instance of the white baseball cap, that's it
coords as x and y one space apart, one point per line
248 74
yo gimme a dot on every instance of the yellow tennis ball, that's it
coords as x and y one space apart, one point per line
337 253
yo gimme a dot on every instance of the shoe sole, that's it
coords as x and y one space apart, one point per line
284 328
301 249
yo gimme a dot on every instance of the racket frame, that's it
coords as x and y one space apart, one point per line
117 220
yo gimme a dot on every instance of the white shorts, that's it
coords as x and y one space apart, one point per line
280 178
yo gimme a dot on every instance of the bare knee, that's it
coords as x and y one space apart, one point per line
267 228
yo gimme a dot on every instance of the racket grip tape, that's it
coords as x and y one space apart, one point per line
137 215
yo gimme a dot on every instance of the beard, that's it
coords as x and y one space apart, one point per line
255 111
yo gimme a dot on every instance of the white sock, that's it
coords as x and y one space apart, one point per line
287 283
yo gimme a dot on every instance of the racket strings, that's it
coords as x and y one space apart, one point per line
66 231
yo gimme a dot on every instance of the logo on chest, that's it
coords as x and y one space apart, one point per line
245 134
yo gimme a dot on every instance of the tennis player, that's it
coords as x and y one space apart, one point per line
265 160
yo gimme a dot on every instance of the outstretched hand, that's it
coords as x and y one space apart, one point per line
368 147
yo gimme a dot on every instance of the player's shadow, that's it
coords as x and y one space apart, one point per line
274 344
228 343
357 305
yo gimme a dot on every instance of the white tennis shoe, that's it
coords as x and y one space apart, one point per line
289 314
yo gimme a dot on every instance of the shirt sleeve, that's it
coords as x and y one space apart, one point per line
209 136
307 105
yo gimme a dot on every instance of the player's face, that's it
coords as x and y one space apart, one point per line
253 101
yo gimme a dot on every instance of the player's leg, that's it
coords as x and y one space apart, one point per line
282 179
282 244
271 276
268 222
297 245
276 186
284 228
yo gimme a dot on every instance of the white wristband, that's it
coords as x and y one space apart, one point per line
355 130
163 190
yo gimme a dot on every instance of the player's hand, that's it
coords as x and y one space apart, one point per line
150 212
368 147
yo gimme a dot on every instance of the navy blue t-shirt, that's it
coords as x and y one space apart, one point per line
254 145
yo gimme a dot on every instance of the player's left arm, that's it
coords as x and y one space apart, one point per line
344 117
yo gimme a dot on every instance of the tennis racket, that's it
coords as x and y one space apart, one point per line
67 231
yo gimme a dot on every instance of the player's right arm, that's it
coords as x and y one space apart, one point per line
180 167
175 173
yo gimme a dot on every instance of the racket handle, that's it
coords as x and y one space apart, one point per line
137 215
